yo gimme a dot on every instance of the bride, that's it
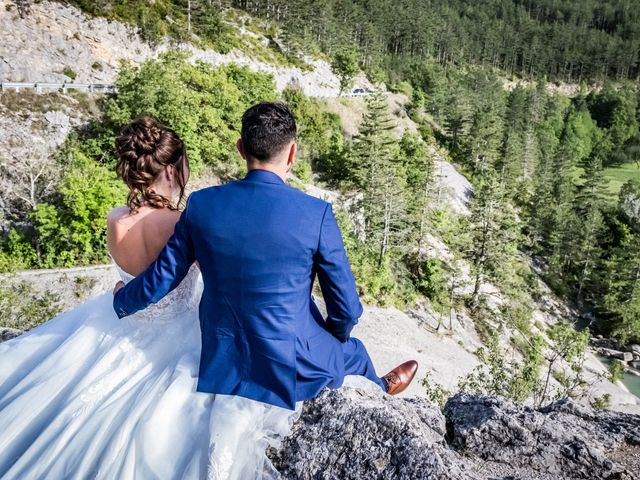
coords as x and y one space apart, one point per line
87 395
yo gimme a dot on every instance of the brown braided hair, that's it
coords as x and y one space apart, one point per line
145 148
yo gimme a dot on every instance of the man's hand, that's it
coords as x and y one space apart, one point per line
118 286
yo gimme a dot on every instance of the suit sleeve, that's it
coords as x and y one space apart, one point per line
336 279
162 276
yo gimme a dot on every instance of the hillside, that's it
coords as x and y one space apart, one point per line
83 49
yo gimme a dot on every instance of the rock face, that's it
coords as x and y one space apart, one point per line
355 434
59 43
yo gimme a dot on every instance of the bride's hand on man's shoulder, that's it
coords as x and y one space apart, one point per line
118 286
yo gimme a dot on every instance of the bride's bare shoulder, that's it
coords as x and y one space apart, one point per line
118 213
151 219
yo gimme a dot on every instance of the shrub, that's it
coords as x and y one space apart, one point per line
69 72
510 379
385 284
302 170
616 370
602 402
202 103
72 231
24 308
435 392
16 253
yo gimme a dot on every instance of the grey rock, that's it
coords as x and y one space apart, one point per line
32 53
635 365
57 118
564 439
635 349
624 356
357 434
602 342
7 333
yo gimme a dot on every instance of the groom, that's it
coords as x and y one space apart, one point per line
260 245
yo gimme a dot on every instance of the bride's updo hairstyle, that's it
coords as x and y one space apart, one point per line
145 149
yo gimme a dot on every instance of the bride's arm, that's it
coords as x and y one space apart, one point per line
162 276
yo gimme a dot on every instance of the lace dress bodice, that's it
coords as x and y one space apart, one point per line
185 297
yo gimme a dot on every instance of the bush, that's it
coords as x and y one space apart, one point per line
202 103
16 253
72 231
319 131
404 88
69 72
385 284
602 402
430 280
24 308
496 376
435 392
302 170
616 370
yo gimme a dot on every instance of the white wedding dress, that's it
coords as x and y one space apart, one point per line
90 396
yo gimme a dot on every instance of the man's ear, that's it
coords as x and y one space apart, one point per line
240 148
292 154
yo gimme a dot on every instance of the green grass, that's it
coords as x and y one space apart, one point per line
618 176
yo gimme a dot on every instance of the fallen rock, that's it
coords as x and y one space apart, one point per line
625 356
57 118
602 342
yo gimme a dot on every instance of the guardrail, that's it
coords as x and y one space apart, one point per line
41 87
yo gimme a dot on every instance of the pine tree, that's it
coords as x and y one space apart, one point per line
590 204
621 278
575 146
485 135
511 163
494 231
419 167
381 176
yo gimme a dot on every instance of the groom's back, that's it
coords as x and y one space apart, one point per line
255 240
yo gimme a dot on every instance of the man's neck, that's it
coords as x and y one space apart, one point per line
277 169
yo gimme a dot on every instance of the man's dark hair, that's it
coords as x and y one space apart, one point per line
266 129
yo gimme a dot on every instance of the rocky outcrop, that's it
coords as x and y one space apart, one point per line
59 43
562 440
356 433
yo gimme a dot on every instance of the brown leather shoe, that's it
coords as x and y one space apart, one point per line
399 378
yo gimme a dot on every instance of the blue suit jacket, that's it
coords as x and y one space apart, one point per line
260 244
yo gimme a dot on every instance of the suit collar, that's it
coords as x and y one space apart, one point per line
263 176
